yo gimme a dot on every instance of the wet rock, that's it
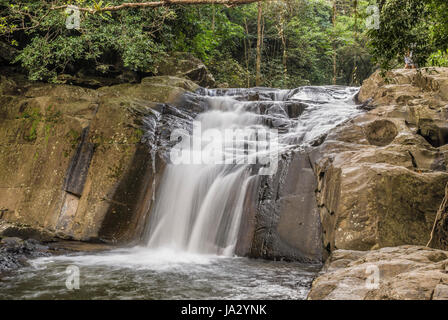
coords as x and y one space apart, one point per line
14 252
319 140
366 105
287 217
295 109
100 76
434 131
25 232
404 273
89 81
79 166
170 81
7 52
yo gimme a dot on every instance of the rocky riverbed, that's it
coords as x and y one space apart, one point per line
16 252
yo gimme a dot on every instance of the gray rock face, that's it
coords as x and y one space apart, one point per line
287 220
77 172
381 181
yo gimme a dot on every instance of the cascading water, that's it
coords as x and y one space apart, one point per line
195 219
199 206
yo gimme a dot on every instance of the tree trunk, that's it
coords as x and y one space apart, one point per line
259 41
246 52
285 57
213 19
334 43
355 57
281 33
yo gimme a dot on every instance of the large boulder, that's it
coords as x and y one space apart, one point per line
72 163
381 175
397 273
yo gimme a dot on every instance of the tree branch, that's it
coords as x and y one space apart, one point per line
153 4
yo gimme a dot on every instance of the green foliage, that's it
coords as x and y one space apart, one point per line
438 59
299 40
354 62
33 117
52 48
206 31
229 73
403 27
420 26
307 30
74 137
439 23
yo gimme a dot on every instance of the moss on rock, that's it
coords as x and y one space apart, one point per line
40 132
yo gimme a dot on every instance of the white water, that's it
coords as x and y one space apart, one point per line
142 273
198 208
195 222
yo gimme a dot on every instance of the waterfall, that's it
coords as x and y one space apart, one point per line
200 200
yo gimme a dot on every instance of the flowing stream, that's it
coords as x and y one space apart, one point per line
240 134
189 251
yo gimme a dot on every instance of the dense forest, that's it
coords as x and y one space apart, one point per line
284 43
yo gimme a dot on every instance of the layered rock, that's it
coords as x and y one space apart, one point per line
381 183
397 273
381 175
378 179
72 163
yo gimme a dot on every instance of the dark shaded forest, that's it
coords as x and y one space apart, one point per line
280 44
